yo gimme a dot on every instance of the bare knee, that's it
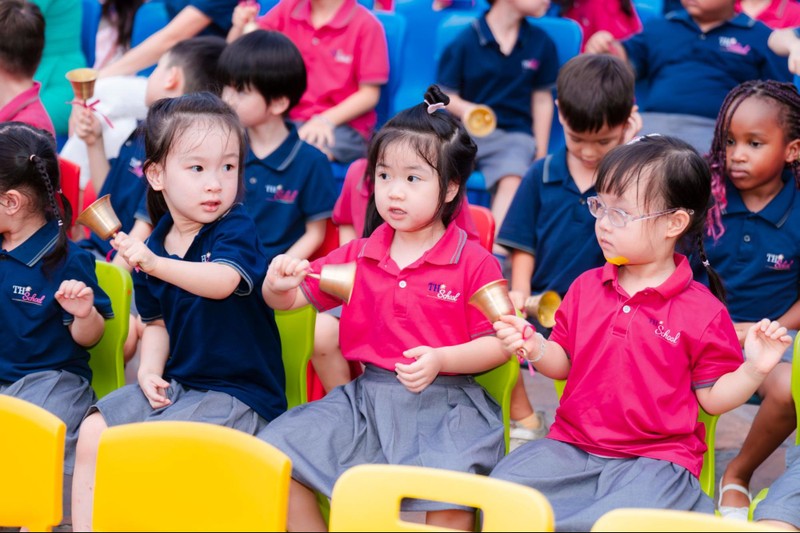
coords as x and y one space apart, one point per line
89 436
777 387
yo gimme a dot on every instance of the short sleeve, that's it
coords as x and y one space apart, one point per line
636 47
235 243
449 74
373 67
547 73
518 230
483 273
148 306
319 194
343 209
718 351
323 301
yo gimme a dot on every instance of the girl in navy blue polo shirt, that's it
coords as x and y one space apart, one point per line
50 291
210 350
755 246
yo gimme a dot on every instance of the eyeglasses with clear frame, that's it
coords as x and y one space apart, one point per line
619 218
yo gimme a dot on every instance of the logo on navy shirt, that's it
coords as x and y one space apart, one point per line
24 295
205 258
530 64
730 44
777 262
280 195
135 166
441 292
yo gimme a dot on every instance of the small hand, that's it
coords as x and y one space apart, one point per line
633 126
155 390
75 298
418 375
741 330
601 42
518 301
286 273
86 126
510 330
134 251
764 345
318 132
243 13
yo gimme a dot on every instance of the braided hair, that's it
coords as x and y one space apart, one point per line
29 164
783 94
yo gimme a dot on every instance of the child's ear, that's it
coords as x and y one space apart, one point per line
793 151
452 190
278 106
12 201
155 176
678 222
174 81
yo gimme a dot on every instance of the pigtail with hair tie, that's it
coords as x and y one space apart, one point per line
51 192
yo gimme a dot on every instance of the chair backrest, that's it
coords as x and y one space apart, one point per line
222 479
92 11
499 382
394 26
368 497
296 328
106 357
330 243
630 520
32 462
796 382
150 18
70 185
484 223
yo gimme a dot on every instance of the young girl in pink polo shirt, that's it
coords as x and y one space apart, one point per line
408 320
641 345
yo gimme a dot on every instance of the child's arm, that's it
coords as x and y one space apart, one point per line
602 42
765 343
347 233
154 354
790 319
284 276
310 241
243 14
474 356
550 358
522 265
77 299
208 280
141 230
87 128
542 107
785 42
318 130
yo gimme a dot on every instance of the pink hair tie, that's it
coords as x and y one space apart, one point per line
433 107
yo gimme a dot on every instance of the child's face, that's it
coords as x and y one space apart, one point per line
756 148
200 177
589 148
248 104
709 10
407 188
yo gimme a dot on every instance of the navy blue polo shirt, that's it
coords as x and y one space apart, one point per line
758 256
691 72
219 11
290 187
35 335
548 218
230 345
474 67
127 186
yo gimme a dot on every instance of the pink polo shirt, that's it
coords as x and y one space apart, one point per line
348 51
778 14
27 107
595 15
351 206
636 362
426 303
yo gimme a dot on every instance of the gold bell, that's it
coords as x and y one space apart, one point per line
480 121
544 306
492 300
337 280
82 81
101 218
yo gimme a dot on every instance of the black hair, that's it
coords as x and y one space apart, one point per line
168 119
121 13
439 139
21 37
198 58
268 62
781 94
29 164
667 173
594 90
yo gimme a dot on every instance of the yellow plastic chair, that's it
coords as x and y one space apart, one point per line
629 520
710 421
188 476
32 462
296 328
368 497
106 359
499 382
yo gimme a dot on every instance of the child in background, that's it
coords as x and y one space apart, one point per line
51 292
773 13
641 345
114 30
21 46
786 43
690 60
619 17
345 51
506 63
197 290
755 246
548 229
289 186
415 266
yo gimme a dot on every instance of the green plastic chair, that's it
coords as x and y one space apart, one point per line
499 382
106 358
710 421
296 328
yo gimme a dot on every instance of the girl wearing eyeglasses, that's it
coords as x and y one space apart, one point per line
642 347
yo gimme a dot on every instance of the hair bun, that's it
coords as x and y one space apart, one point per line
434 95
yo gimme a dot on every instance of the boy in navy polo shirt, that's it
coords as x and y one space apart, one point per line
289 186
502 61
548 225
690 60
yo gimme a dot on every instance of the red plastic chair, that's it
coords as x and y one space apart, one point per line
330 243
70 185
484 222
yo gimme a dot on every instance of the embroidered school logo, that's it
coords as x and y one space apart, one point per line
441 292
666 334
136 167
205 258
777 262
280 195
341 57
730 44
23 294
530 64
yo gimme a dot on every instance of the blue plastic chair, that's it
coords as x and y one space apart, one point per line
92 10
150 18
394 26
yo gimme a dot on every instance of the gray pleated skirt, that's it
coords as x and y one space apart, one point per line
783 499
453 424
129 404
582 487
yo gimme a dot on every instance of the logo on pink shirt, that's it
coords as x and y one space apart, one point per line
440 292
667 335
777 262
341 57
730 44
530 64
26 296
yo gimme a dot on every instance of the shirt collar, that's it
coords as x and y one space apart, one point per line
37 246
283 155
162 228
20 102
672 286
485 36
341 19
776 212
555 167
740 20
447 251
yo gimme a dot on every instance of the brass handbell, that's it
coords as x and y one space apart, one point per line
480 121
544 306
101 218
82 81
492 300
337 280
